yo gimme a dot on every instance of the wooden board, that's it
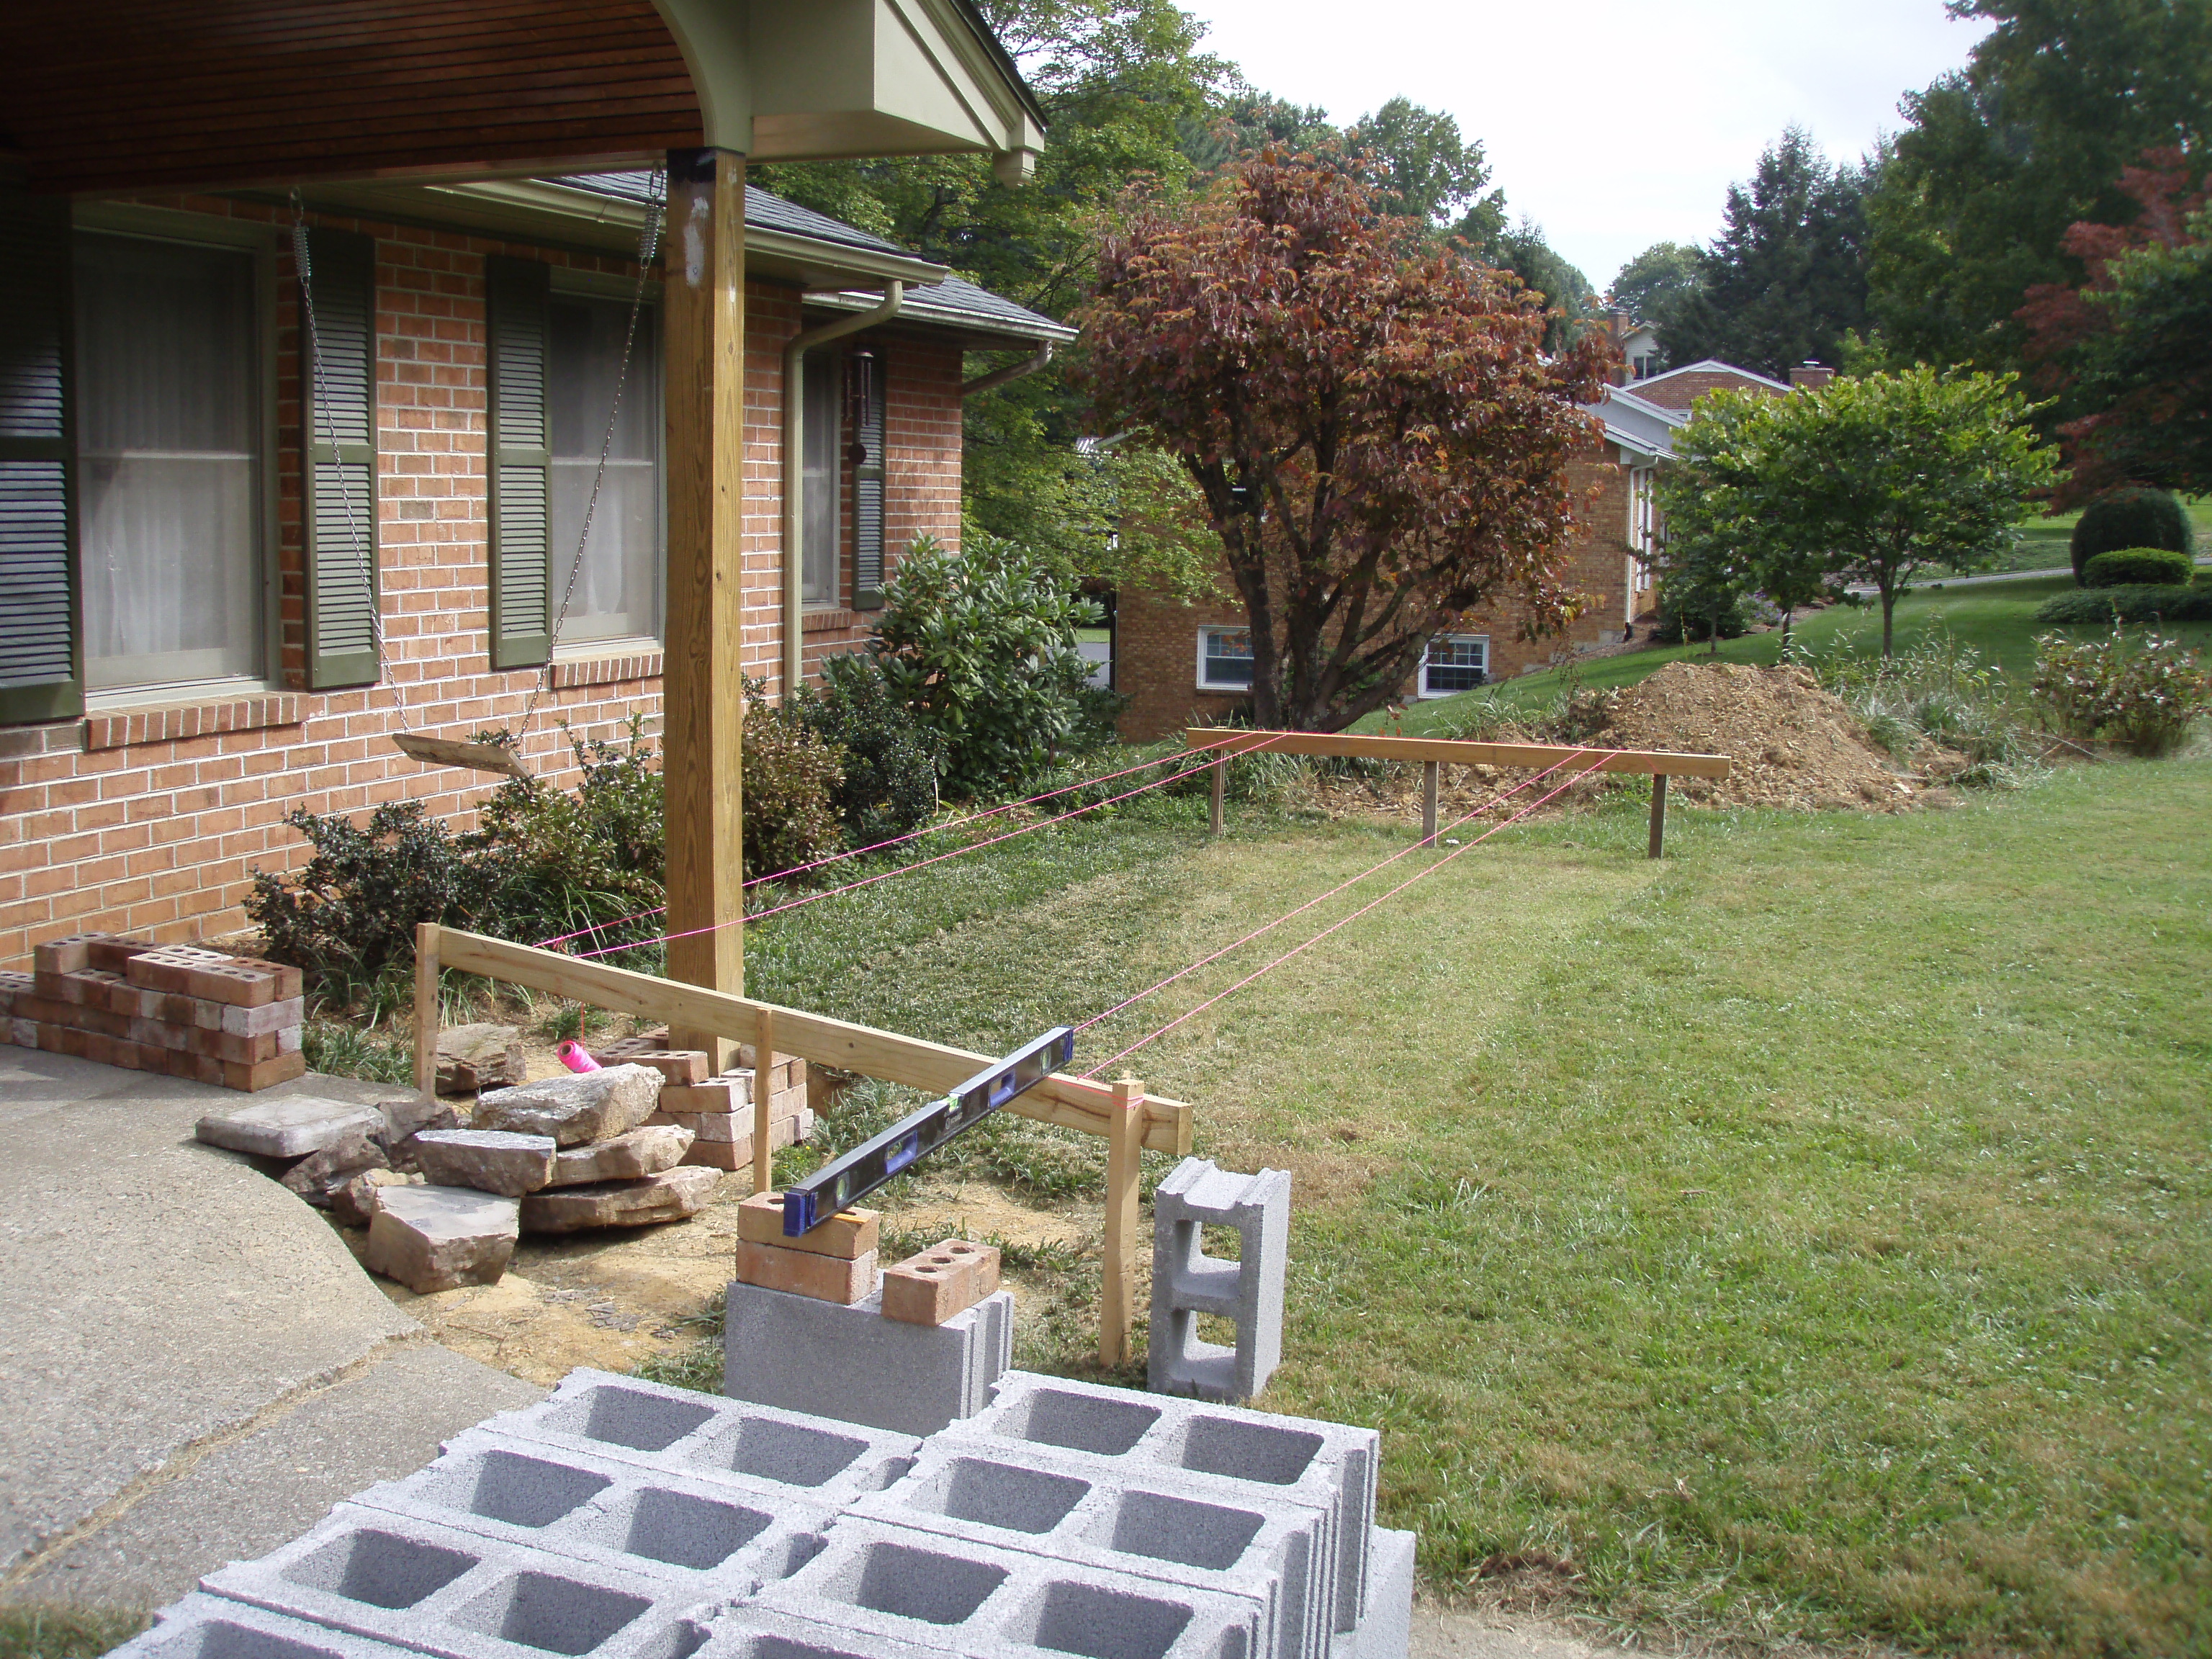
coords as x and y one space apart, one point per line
1538 756
1073 1103
444 751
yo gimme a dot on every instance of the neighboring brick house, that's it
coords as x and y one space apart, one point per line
228 671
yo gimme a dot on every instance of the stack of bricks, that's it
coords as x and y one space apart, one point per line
718 1110
834 1261
176 1010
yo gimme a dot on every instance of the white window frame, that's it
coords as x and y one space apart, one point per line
205 230
828 364
1482 640
1207 632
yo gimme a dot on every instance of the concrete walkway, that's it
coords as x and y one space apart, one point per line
195 1369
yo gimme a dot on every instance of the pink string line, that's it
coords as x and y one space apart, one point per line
1225 753
1180 973
1214 759
1428 869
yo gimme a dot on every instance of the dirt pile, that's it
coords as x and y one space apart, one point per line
1794 744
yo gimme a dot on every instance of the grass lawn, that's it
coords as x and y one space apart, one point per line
2044 542
1996 619
1810 1234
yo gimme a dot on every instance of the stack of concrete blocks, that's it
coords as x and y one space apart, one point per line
719 1110
185 1012
1186 1282
619 1519
812 1325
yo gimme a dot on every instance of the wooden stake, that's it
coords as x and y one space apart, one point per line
1658 814
1117 1301
426 1007
1220 787
764 1097
702 373
1429 770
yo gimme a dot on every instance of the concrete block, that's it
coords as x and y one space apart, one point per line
590 1106
852 1363
436 1589
292 1126
932 1285
671 1195
1146 1523
490 1160
1216 1453
807 1272
204 1626
647 1150
848 1233
1186 1282
734 1444
754 1632
437 1238
1387 1631
891 1585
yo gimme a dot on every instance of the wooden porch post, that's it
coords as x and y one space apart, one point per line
703 371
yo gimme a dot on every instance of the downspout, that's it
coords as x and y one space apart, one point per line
1028 366
794 439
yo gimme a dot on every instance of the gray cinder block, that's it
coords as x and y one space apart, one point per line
754 1632
892 1584
1139 1521
398 1579
850 1362
1186 1282
734 1444
202 1626
1207 1449
1387 1631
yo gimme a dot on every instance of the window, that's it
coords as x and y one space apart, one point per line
618 586
1225 660
1454 662
821 426
170 421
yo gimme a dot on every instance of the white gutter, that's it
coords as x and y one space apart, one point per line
794 438
1028 366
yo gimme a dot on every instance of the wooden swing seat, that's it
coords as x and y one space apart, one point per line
477 757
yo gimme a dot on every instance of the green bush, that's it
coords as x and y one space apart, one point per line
1700 621
2106 606
980 645
2136 516
790 779
889 782
2142 690
572 858
2137 567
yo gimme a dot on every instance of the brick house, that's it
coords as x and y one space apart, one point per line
227 663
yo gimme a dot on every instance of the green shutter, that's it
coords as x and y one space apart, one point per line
40 676
516 295
868 491
338 391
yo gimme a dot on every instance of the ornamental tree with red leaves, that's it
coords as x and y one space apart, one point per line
1380 443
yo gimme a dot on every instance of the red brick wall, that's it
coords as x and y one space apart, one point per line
149 824
1156 639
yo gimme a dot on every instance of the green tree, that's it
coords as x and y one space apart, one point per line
1997 160
1380 440
1425 168
1786 277
1873 479
1654 285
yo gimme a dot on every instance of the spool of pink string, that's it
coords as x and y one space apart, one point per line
571 1054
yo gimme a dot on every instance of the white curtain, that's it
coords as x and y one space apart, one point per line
821 418
168 443
618 588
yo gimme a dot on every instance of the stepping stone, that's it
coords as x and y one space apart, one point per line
592 1106
490 1160
480 1056
291 1126
671 1195
642 1152
439 1238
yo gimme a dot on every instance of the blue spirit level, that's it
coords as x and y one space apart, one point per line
849 1179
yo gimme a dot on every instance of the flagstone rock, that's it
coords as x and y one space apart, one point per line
490 1160
353 1200
439 1238
590 1106
642 1151
291 1126
670 1195
314 1176
480 1056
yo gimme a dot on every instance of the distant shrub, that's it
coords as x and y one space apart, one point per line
1724 620
2136 516
2106 606
2137 567
2142 690
889 787
790 783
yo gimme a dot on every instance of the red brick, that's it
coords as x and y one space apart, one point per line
805 1272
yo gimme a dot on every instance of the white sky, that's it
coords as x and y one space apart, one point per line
1612 125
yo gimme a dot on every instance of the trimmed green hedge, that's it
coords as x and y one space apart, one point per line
2139 604
2137 567
2135 516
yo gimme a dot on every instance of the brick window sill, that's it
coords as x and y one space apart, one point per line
606 670
127 728
826 621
